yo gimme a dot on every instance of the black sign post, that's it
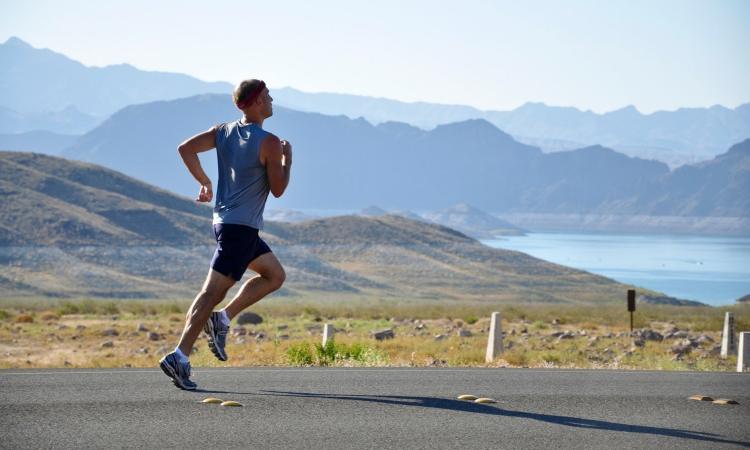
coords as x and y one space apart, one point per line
631 306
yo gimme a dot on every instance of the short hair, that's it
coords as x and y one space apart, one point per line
245 88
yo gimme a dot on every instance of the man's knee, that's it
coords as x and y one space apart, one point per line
209 296
276 278
216 286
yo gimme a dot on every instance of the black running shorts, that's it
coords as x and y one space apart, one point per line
236 247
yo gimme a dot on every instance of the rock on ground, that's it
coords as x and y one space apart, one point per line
249 318
383 334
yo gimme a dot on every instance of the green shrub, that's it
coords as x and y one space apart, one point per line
310 311
4 314
516 357
358 352
68 308
326 354
300 354
471 320
550 357
110 308
323 355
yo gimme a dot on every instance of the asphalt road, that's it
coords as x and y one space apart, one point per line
373 408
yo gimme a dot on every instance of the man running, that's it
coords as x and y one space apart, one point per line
251 163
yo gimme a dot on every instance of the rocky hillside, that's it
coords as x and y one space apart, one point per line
51 201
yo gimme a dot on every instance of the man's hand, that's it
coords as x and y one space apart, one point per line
286 151
189 152
206 194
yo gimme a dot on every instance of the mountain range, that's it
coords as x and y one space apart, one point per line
686 135
72 229
345 164
41 89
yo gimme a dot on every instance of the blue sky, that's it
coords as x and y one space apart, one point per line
599 55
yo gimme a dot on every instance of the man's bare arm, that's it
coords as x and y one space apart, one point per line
189 152
276 155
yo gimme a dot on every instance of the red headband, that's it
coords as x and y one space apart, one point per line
249 98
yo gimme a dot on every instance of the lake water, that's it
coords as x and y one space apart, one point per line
713 270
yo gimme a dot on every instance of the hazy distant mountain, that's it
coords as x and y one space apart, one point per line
720 187
344 164
66 121
39 141
69 229
473 221
44 90
375 110
35 81
677 137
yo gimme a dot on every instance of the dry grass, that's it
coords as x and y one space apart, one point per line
73 334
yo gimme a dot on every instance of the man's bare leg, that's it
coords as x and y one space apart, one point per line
213 292
270 278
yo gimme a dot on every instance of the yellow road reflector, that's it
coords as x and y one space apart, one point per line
485 400
702 398
467 397
725 401
231 403
211 400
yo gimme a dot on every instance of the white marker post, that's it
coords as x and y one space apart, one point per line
327 333
495 339
743 355
728 344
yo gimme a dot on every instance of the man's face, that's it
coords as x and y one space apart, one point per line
267 103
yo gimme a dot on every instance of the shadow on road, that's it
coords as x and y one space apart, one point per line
464 406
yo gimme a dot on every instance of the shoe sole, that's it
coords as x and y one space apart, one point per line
209 329
168 371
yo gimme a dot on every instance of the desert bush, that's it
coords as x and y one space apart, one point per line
516 358
109 308
300 354
326 354
68 308
49 316
24 318
471 320
311 311
332 353
549 357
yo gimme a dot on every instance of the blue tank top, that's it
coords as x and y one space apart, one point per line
242 188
